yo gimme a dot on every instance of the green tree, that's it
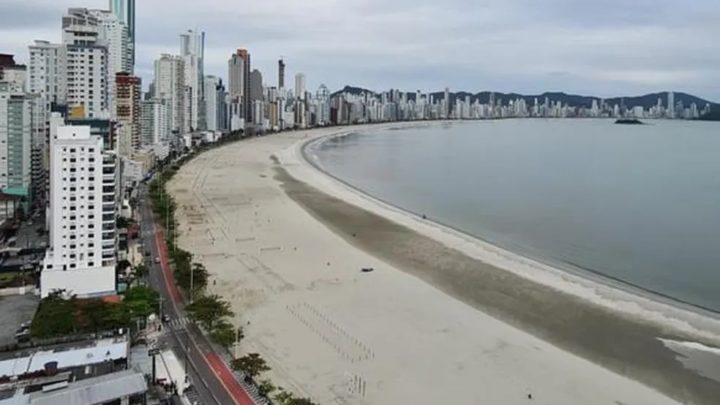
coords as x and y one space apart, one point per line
225 334
55 316
141 301
252 364
209 309
266 388
301 401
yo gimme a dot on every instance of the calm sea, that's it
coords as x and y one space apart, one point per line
638 204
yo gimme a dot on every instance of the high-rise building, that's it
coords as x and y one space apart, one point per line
16 132
281 74
113 34
154 122
239 83
256 97
23 132
170 86
323 105
46 71
81 256
300 101
127 103
300 86
671 105
446 104
192 50
124 10
86 64
214 103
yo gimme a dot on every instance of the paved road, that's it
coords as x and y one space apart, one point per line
213 382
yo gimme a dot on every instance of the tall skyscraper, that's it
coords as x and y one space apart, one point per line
281 74
154 122
86 64
124 10
192 50
127 105
113 34
214 103
239 84
671 105
446 104
170 86
81 256
300 86
300 101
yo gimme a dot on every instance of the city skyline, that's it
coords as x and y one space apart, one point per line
649 47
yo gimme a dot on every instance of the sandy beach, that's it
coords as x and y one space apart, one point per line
443 318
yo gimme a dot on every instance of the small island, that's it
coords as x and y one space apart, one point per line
629 121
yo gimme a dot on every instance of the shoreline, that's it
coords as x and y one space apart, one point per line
583 273
285 242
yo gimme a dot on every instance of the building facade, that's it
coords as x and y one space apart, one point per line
192 50
113 34
154 122
128 112
46 71
170 86
86 64
124 11
81 256
239 84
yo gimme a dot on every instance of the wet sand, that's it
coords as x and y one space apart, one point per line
626 347
423 327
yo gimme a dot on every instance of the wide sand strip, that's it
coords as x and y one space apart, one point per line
424 327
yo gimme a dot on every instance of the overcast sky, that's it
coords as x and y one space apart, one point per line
600 47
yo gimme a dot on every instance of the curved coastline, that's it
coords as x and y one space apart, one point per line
278 236
596 279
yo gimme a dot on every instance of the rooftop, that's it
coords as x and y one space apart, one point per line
33 361
97 390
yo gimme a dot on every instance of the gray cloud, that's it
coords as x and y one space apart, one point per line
607 48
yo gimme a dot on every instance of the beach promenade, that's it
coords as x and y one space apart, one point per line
437 321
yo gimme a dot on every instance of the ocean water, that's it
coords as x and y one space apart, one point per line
634 204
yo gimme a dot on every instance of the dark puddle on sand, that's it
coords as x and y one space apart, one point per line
704 360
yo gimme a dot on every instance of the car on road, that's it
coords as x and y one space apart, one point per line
157 260
166 318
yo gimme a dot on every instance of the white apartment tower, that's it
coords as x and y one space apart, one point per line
81 256
154 122
46 71
192 50
170 86
86 63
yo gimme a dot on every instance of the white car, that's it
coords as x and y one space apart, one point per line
157 260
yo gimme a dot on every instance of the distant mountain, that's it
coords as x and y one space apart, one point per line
573 100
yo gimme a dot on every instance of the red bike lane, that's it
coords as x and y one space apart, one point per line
213 360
